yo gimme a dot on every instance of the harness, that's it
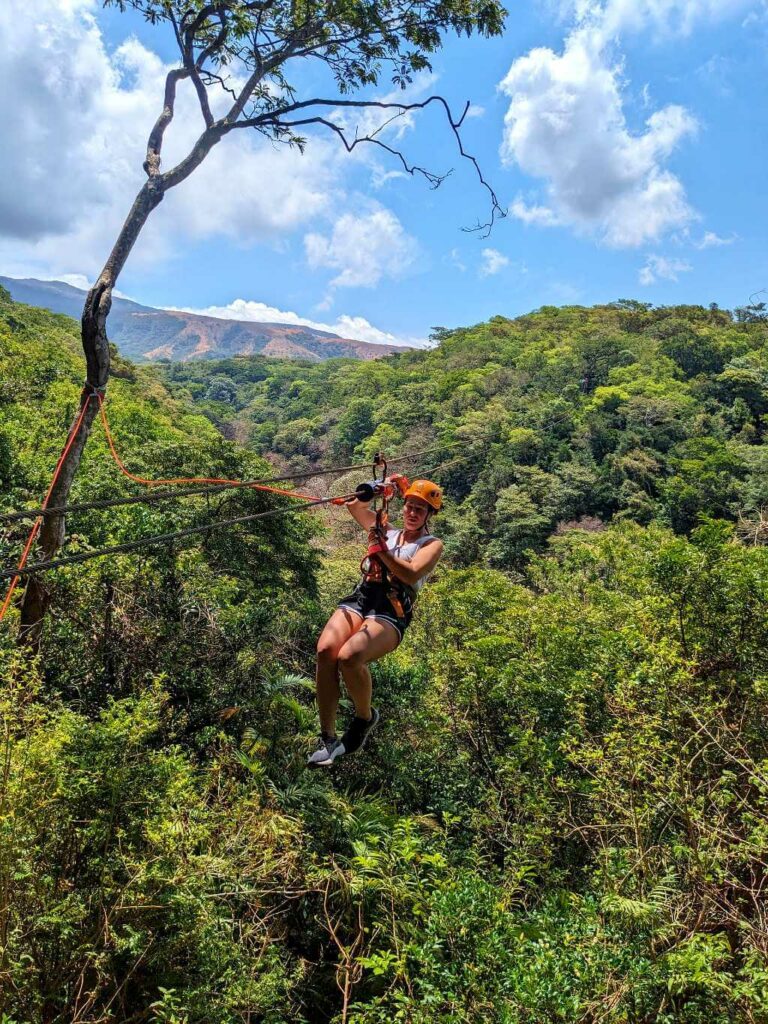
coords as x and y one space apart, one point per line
381 492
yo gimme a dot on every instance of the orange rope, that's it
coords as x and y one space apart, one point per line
39 521
180 480
137 479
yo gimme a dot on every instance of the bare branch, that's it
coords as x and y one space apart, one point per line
209 77
435 180
276 119
155 141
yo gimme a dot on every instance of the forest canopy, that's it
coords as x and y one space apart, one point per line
622 411
564 814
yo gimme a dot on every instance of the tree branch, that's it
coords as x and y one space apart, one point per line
202 95
195 157
275 119
155 141
435 180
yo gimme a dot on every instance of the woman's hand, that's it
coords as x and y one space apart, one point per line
422 563
377 540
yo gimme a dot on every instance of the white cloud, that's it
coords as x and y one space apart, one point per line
76 280
711 240
380 176
492 262
79 122
475 110
363 248
355 327
454 259
566 124
661 268
84 283
664 17
532 213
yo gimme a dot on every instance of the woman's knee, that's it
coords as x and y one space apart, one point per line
327 649
350 656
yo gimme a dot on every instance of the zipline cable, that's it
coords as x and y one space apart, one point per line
157 496
180 480
216 483
164 538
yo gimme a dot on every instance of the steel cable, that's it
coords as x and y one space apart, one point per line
162 538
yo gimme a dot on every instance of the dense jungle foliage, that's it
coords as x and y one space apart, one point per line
564 814
620 411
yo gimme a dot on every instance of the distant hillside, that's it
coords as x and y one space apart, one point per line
145 333
621 411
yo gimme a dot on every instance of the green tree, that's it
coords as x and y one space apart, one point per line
355 424
356 42
744 380
221 389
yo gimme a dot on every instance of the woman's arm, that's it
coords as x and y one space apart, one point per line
361 513
422 563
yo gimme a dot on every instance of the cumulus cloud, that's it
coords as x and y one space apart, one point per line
566 125
79 121
354 327
662 268
533 213
492 261
363 248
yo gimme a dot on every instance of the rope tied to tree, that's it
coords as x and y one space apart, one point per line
212 484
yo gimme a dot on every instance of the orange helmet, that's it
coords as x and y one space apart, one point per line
427 491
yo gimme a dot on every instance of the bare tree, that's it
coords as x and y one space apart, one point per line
237 55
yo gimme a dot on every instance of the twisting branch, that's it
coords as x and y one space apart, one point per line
209 77
155 141
435 180
276 121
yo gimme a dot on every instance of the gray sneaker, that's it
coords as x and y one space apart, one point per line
354 738
323 754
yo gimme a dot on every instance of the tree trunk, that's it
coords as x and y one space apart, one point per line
98 303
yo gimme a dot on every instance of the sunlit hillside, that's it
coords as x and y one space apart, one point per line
563 814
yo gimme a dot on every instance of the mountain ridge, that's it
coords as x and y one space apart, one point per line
145 333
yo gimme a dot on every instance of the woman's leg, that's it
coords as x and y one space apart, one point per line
339 628
371 642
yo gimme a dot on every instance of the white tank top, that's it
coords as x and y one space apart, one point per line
407 551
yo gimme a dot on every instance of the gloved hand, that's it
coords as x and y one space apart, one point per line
377 540
399 482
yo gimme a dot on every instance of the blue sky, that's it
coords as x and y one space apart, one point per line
627 137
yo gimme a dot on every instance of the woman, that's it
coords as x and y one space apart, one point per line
370 622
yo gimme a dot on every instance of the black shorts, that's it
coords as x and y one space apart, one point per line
372 601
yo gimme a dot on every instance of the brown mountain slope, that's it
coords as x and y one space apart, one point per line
185 336
141 332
